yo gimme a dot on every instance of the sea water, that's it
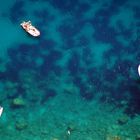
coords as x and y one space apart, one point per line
78 80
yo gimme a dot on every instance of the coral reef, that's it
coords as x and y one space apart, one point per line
21 125
18 102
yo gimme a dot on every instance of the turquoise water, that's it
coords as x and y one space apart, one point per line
78 80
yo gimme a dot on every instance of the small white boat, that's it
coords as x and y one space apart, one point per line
27 26
139 70
1 110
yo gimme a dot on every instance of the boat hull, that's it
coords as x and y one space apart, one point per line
139 70
30 29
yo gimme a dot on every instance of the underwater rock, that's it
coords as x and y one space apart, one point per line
10 85
18 102
11 89
21 124
137 137
109 137
49 94
123 120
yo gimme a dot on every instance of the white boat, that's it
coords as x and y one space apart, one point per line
1 110
29 28
139 70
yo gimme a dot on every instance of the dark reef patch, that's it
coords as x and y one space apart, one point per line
116 51
81 9
44 16
101 21
50 93
26 49
86 92
17 12
136 12
122 67
109 75
47 44
69 43
50 62
23 57
83 41
103 32
34 0
65 6
133 106
123 31
87 56
68 30
94 78
74 64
